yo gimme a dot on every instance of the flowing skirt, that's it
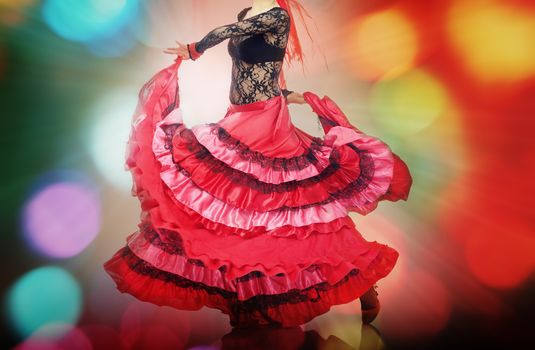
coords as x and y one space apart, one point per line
249 215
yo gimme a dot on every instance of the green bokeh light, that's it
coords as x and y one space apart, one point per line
42 296
408 104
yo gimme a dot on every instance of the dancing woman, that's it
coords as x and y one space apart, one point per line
249 215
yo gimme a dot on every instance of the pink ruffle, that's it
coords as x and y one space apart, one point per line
165 206
367 199
273 255
303 277
314 301
296 263
266 174
158 203
245 192
159 97
383 158
203 202
187 193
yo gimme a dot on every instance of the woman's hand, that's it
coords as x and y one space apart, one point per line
295 97
181 51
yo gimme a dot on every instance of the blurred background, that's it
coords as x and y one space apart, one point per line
448 84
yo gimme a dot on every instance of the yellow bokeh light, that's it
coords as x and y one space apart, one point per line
495 41
408 104
16 3
12 11
382 45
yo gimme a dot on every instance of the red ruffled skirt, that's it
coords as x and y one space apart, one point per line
249 215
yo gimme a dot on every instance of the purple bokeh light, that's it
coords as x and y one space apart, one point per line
62 219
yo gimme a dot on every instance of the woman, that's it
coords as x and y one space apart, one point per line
249 215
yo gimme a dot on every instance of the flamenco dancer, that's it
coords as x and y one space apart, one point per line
249 215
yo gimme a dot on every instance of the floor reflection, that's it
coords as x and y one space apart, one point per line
295 338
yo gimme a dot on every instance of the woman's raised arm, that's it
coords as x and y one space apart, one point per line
275 20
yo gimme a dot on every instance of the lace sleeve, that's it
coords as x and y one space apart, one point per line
275 20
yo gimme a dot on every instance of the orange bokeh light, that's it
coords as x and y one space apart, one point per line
382 45
502 259
494 40
11 11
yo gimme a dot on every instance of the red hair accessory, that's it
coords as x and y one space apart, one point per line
294 50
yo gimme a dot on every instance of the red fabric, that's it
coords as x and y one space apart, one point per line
274 133
165 252
243 196
294 50
401 183
335 245
318 301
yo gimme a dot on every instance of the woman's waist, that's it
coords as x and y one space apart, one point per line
255 103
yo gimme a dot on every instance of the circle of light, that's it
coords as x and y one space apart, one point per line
408 104
83 20
109 134
383 45
48 294
62 219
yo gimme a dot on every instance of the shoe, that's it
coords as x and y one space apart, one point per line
370 305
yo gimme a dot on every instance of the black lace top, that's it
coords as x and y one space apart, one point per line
257 46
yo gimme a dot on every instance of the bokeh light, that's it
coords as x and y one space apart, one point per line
145 326
56 336
501 260
408 104
448 85
494 39
106 26
12 12
15 3
103 336
108 135
113 45
497 244
425 309
62 219
83 20
166 21
48 294
382 45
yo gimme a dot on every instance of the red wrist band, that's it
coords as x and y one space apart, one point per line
193 53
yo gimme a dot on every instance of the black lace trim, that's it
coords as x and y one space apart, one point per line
366 164
262 301
244 151
241 178
173 244
276 163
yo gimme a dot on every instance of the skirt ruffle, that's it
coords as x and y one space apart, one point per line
287 306
249 215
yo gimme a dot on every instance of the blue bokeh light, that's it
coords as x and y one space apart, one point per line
45 295
86 20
